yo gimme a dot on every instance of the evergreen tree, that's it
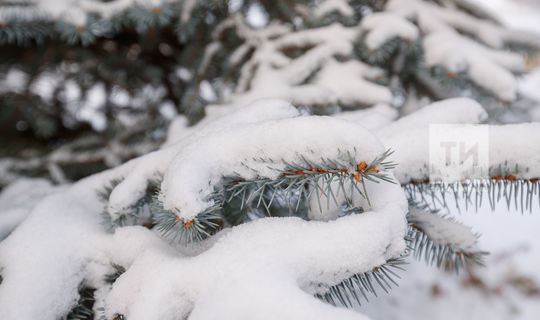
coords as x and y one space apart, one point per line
295 175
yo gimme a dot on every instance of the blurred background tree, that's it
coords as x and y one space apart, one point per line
88 84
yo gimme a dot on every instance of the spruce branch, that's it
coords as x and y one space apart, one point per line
522 194
204 225
300 181
240 200
132 215
441 240
151 17
361 285
84 308
118 270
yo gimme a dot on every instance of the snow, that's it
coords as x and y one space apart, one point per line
14 80
529 85
292 258
328 6
59 229
435 18
383 26
286 251
409 136
346 80
378 116
444 44
187 9
140 171
489 68
519 15
516 146
256 16
442 231
500 291
309 79
19 198
260 150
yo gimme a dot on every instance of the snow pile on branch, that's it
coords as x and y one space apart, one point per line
409 136
509 152
329 6
489 68
514 150
312 78
19 198
444 232
292 258
76 11
262 150
381 27
441 28
135 175
378 116
276 254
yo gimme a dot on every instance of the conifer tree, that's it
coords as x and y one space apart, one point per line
294 176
